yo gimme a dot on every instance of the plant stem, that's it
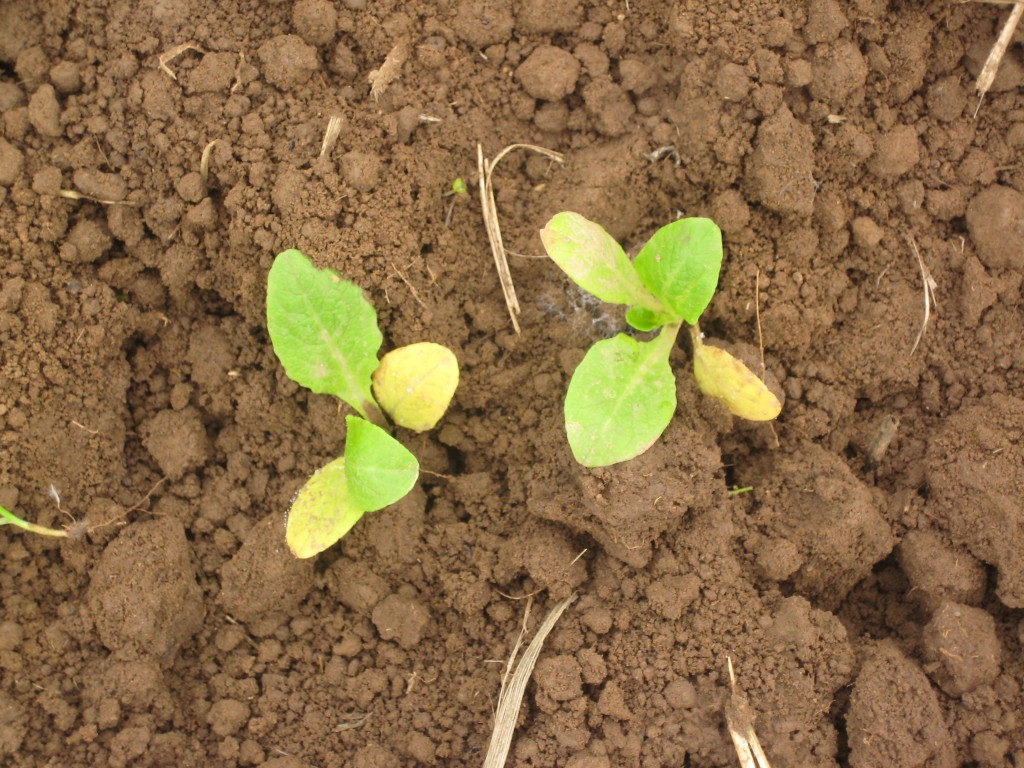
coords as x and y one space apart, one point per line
9 518
666 338
696 335
373 414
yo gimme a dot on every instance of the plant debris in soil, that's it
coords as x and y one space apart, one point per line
869 598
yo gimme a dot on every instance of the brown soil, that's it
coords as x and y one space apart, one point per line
870 599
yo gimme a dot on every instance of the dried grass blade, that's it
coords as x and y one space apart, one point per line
174 53
740 722
331 134
988 73
929 286
390 70
489 209
512 690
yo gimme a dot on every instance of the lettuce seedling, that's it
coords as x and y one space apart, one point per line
622 395
9 518
324 332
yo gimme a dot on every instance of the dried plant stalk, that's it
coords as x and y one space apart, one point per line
204 163
489 209
390 70
929 292
331 135
174 53
988 73
740 720
513 688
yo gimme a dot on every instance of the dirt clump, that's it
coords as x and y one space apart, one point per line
894 716
961 644
994 219
974 456
829 517
781 172
263 582
549 73
177 440
288 61
402 618
143 595
896 152
938 571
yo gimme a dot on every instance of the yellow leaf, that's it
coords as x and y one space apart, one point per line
322 512
415 384
721 375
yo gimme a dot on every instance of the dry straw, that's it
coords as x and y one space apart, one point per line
489 209
390 70
739 718
513 684
988 73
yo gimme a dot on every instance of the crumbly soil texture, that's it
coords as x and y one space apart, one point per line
861 562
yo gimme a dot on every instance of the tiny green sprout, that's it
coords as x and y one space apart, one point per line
458 190
325 334
9 518
737 491
622 395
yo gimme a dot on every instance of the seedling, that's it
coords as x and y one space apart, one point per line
458 190
324 332
622 395
9 518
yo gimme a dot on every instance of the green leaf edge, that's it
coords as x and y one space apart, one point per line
628 289
663 346
359 432
685 307
295 258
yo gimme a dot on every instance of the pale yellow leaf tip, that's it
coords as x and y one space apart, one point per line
321 513
415 384
722 376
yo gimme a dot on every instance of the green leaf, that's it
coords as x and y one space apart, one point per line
680 265
595 261
323 329
644 319
379 469
621 398
323 511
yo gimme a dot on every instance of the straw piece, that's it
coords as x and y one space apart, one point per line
489 209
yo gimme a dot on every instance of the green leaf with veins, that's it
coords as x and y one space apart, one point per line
375 472
621 398
680 265
595 261
380 470
323 329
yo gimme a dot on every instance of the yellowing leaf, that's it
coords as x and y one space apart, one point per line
721 375
415 384
323 511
